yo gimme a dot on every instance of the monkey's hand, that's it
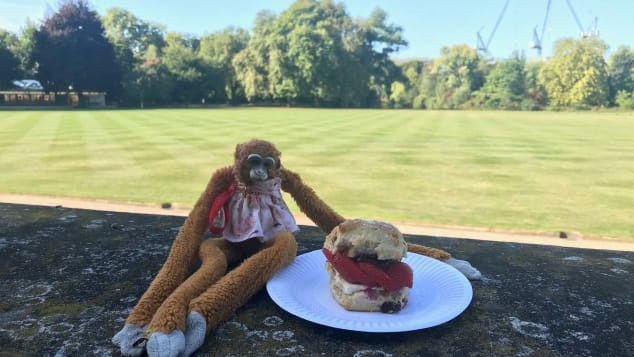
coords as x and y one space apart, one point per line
465 268
131 340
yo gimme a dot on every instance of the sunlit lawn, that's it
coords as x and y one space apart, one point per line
539 171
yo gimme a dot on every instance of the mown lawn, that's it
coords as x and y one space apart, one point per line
539 171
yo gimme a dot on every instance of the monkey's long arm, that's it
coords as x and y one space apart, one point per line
327 219
428 251
317 210
463 266
183 252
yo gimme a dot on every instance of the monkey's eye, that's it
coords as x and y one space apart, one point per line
269 162
254 160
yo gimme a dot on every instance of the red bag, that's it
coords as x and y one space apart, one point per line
219 214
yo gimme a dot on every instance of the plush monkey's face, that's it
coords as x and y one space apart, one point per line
257 160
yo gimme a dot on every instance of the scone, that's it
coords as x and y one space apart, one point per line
365 268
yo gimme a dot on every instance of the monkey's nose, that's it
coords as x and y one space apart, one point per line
259 175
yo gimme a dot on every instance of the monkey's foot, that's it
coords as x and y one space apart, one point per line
131 340
465 268
166 345
196 328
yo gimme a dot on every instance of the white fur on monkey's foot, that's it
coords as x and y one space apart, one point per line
196 328
131 340
166 345
465 268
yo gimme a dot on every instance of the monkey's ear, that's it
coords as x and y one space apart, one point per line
238 152
279 163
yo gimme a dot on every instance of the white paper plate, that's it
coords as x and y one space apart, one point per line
440 293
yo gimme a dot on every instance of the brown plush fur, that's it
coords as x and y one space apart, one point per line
211 291
430 252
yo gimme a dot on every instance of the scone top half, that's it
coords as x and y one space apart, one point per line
358 238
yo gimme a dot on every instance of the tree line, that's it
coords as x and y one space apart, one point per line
312 54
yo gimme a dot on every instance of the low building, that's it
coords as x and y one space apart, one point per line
30 93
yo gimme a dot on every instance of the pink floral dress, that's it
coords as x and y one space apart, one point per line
259 213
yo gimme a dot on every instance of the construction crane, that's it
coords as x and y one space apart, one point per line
591 31
537 39
483 47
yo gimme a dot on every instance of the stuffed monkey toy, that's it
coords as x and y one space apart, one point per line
244 203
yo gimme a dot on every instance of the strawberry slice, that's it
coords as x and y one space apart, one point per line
381 277
328 254
393 277
402 273
347 268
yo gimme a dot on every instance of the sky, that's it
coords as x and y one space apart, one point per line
428 25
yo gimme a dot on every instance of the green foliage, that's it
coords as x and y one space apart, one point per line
625 100
129 33
155 82
314 53
25 48
399 96
71 50
412 73
181 60
131 38
505 86
577 74
21 48
621 66
536 97
217 51
457 73
9 64
252 63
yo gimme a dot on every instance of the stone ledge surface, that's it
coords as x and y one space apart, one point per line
70 277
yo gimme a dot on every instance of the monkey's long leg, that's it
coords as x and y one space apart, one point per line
183 252
215 255
222 299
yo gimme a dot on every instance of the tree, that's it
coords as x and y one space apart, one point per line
458 72
217 51
621 66
180 58
72 51
624 100
380 40
154 79
577 74
131 38
404 92
304 52
399 97
426 87
505 85
313 64
251 64
9 64
536 97
21 48
129 32
314 53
